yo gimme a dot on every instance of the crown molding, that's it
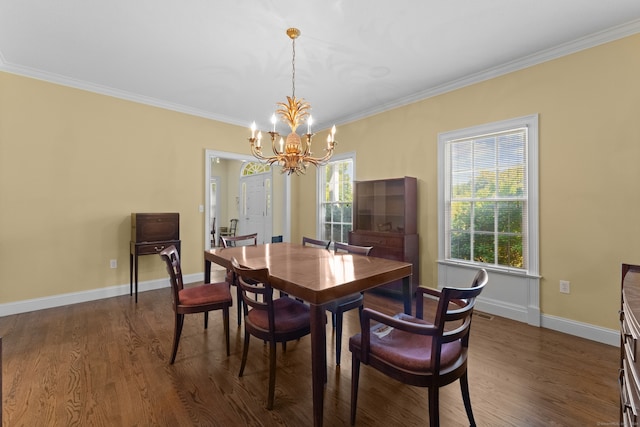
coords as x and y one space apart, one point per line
583 43
596 39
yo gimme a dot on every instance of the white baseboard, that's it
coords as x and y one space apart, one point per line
583 330
496 308
85 296
560 324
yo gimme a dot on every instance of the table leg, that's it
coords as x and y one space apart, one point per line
318 361
135 273
406 294
207 271
130 274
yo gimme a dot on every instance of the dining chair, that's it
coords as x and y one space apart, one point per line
230 241
308 241
194 299
244 240
271 320
346 303
417 352
213 232
229 232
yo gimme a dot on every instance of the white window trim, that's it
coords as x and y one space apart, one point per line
513 293
320 188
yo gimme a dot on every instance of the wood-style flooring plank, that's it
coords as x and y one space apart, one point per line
106 363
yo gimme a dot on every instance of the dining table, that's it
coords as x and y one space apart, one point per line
317 276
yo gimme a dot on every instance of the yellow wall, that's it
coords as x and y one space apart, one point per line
73 165
589 115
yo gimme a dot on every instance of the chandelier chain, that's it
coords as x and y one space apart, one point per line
293 67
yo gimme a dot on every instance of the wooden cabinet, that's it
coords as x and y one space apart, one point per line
385 217
629 378
150 234
155 227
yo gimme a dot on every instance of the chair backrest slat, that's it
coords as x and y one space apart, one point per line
256 290
352 249
171 258
453 315
245 240
308 241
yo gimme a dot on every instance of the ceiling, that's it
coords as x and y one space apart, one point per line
232 61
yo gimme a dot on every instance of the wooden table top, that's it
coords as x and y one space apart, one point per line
313 274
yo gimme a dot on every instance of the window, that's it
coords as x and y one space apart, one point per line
335 192
488 195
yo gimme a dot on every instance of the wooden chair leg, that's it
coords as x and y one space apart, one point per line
245 352
239 300
466 398
225 321
338 322
176 335
272 374
434 409
355 377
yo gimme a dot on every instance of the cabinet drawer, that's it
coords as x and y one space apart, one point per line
629 400
377 240
155 248
630 332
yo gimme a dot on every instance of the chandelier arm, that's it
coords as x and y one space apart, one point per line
307 148
324 159
257 151
274 136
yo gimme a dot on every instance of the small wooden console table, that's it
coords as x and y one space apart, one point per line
144 248
150 234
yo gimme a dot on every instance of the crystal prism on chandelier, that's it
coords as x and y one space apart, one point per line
293 154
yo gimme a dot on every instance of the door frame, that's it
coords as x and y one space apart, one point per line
285 220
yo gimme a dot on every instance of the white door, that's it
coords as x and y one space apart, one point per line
255 206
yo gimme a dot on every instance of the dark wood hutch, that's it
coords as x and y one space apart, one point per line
385 217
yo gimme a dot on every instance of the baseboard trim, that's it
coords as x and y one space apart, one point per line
497 308
583 330
560 324
86 296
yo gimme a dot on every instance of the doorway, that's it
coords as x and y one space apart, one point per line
225 168
256 213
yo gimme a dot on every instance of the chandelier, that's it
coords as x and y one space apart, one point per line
293 154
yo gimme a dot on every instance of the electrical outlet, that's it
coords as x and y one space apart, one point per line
113 263
565 286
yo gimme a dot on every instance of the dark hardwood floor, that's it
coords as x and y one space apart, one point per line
106 363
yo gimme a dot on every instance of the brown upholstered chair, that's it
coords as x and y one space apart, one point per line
194 299
230 241
349 302
271 320
416 352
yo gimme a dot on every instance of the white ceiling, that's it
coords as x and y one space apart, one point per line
231 60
